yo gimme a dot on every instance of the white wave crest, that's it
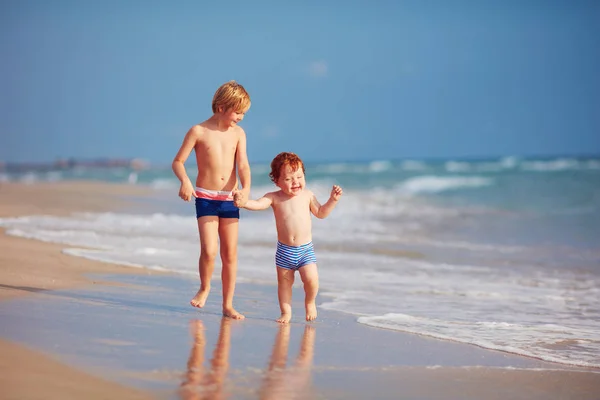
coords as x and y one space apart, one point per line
533 340
436 184
379 166
559 164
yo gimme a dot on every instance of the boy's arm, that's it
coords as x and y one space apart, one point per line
253 205
186 190
243 166
322 211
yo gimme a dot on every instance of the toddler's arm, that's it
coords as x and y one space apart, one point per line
322 211
253 205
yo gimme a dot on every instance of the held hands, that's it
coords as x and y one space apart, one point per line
186 191
336 192
239 199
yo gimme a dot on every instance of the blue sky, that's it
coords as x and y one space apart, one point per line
352 80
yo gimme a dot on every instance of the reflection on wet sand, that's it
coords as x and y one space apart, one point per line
198 383
289 383
280 382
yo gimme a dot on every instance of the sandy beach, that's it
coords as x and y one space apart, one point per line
30 268
21 271
76 328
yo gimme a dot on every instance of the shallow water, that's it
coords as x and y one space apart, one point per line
502 254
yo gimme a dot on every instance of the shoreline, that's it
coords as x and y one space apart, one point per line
64 297
23 275
147 337
59 199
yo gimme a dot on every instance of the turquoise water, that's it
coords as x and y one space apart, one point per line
501 253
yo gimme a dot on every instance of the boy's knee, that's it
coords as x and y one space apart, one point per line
208 255
228 257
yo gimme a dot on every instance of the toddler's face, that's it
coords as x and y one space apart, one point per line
291 182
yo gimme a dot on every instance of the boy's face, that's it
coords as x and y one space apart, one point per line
291 182
232 117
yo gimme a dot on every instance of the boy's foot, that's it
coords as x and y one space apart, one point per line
284 319
311 311
231 313
200 298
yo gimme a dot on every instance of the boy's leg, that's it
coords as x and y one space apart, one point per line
228 234
220 360
195 366
310 279
196 377
208 228
285 280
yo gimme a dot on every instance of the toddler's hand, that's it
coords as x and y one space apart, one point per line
336 192
238 198
186 191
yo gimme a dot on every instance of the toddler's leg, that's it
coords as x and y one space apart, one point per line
304 361
307 349
285 280
280 350
228 233
310 279
208 229
277 379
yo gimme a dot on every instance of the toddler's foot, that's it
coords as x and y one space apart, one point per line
284 319
311 311
231 313
200 298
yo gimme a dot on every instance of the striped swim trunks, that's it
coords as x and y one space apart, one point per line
294 257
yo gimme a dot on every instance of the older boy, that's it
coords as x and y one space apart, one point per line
220 146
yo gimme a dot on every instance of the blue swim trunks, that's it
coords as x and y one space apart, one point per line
215 203
294 257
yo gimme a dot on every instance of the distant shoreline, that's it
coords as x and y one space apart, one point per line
139 163
71 163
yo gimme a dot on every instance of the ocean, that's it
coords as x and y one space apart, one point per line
499 253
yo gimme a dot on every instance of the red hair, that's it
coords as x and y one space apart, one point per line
281 160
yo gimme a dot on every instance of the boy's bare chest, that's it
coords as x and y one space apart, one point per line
222 144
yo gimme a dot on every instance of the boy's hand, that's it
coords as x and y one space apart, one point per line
186 191
239 200
336 192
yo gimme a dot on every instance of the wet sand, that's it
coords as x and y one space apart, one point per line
79 329
30 268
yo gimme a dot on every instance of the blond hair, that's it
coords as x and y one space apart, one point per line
231 95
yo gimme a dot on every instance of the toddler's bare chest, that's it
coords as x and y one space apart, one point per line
294 210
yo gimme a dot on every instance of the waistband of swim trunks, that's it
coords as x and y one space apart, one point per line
293 247
214 194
